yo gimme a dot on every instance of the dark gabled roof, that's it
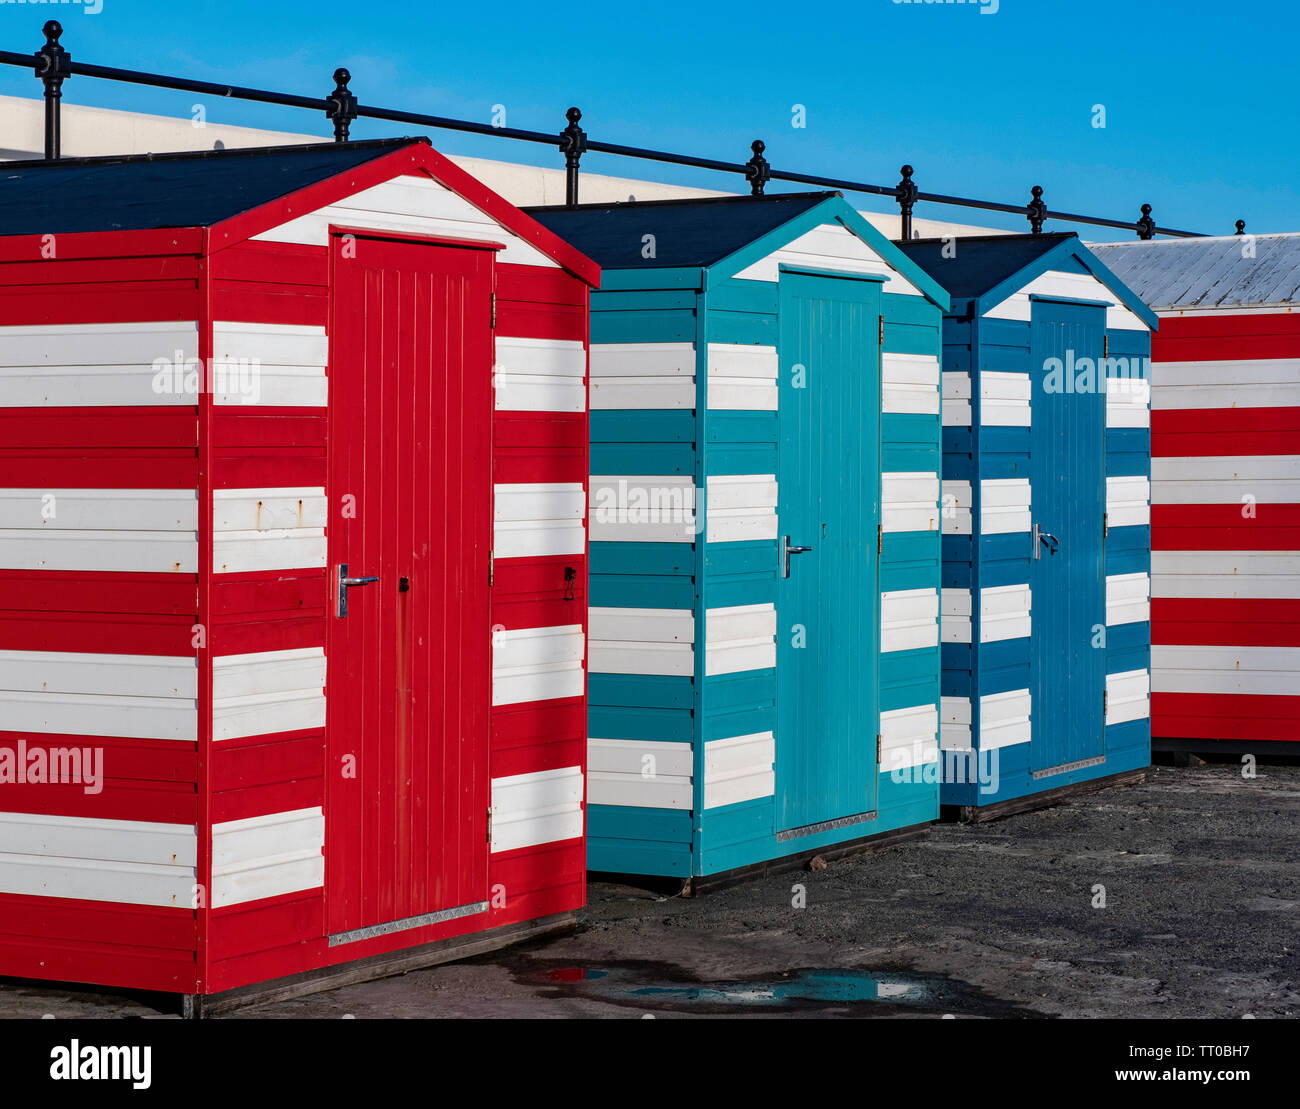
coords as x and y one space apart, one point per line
687 233
980 263
1209 273
147 191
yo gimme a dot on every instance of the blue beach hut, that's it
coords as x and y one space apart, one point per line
1046 521
765 555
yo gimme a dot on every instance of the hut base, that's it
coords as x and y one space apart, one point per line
1262 749
979 814
198 1006
709 883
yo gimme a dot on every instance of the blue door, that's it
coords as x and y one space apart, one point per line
828 607
1067 465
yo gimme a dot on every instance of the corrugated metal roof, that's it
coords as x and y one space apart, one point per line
1209 273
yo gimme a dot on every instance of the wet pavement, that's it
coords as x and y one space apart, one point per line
1176 898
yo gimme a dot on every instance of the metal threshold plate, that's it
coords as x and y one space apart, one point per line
409 922
825 826
1066 767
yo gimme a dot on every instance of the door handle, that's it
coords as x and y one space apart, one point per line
346 583
1046 537
787 551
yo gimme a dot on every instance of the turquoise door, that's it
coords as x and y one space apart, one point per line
1067 465
828 607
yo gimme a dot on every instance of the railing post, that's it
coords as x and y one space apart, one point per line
906 192
1036 210
1241 227
52 65
341 105
757 171
1146 226
573 144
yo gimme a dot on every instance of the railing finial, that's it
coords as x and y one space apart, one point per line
53 66
906 191
573 144
757 171
1241 227
1146 226
341 105
1036 210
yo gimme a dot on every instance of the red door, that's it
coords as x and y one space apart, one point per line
410 498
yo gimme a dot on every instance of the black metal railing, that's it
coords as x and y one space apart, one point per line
52 65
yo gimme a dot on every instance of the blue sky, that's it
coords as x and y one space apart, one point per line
1199 96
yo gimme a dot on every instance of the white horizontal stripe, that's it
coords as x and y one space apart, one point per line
955 507
1128 402
1267 671
413 205
268 692
1226 479
99 509
1128 696
1004 399
1004 613
911 501
1128 598
955 615
741 507
1128 501
1234 372
954 723
739 768
135 696
956 399
241 552
262 510
1004 506
87 859
642 508
909 619
533 520
642 376
145 552
1004 719
270 364
540 375
93 365
55 672
1246 574
830 246
910 383
739 638
742 378
543 807
642 641
537 664
266 856
909 737
1230 394
650 774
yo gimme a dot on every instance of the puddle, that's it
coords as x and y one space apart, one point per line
662 986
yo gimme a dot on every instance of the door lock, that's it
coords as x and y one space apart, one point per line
787 551
345 583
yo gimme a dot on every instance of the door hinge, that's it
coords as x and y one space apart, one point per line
1105 702
489 824
880 337
492 566
877 749
880 539
494 310
1105 346
1105 524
